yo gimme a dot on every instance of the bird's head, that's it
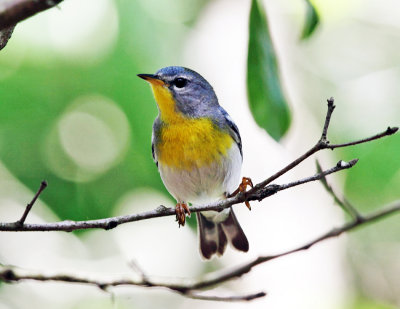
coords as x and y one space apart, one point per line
182 91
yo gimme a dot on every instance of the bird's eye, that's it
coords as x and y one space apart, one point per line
180 82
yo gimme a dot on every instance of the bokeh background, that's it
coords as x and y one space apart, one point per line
73 112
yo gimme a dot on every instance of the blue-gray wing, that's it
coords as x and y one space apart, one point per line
152 152
233 130
156 133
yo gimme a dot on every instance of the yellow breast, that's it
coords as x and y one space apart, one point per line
192 143
187 142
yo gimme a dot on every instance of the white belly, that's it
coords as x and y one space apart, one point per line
204 184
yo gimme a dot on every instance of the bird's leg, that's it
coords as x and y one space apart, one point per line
181 209
242 188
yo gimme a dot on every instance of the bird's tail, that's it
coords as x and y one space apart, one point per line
215 236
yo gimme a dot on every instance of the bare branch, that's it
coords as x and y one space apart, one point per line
272 189
343 203
162 211
5 35
136 268
258 192
389 131
8 274
323 143
331 108
14 11
192 288
28 208
235 298
237 272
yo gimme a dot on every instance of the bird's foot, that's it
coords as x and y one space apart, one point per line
246 181
181 209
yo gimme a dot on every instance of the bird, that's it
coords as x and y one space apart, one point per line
198 151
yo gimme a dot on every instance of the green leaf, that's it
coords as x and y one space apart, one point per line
311 21
266 98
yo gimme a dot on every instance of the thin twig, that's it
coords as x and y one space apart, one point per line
234 298
28 208
162 211
272 189
389 131
8 274
341 165
323 143
14 11
331 108
136 268
343 203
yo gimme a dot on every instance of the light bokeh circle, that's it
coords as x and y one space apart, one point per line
88 139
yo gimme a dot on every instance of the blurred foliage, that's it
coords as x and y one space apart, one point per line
376 179
373 251
265 94
51 115
36 98
95 303
369 304
311 20
47 119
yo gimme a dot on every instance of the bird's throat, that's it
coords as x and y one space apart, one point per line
166 104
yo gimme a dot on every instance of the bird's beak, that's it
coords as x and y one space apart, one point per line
152 79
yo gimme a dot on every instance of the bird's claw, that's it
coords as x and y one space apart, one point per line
242 188
181 209
246 181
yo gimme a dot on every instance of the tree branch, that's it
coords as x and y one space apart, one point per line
236 272
259 192
8 274
162 211
28 208
343 203
234 298
5 35
323 143
14 11
389 131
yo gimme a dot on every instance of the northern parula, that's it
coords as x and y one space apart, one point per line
198 152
